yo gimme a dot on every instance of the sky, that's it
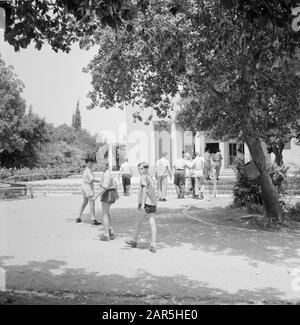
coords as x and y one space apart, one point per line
54 82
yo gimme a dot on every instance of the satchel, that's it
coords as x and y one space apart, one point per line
112 196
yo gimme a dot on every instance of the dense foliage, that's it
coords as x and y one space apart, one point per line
247 193
27 140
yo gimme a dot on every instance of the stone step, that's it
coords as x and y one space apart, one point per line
77 190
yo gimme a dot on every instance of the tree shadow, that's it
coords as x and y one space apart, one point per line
142 288
175 229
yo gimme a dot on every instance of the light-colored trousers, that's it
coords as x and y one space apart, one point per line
199 185
162 185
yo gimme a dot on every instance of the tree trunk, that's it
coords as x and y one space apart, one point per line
269 191
278 158
277 150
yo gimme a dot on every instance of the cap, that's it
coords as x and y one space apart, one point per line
144 164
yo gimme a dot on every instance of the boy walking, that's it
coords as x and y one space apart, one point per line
88 181
147 201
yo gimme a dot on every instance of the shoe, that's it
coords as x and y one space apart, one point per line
78 220
96 223
111 235
131 243
104 238
152 249
164 200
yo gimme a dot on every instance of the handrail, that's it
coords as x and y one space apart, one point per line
44 174
14 185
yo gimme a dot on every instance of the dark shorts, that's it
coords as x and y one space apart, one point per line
126 179
179 177
150 208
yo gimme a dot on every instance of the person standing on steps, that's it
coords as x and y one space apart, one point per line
207 164
126 174
88 181
147 202
217 162
198 174
179 176
162 171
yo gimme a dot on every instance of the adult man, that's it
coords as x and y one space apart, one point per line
162 171
126 174
179 176
198 175
217 162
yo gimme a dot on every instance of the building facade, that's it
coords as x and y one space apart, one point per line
139 142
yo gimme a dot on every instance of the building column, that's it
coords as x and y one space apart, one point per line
202 142
174 142
197 142
222 146
246 153
110 156
152 146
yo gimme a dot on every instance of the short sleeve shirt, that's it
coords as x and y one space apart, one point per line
88 177
162 166
107 180
125 168
179 164
198 163
148 182
207 158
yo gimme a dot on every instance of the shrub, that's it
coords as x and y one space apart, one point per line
247 192
293 212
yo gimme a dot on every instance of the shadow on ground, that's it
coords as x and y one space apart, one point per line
70 287
175 229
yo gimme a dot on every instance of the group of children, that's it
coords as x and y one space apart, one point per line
147 201
184 168
190 173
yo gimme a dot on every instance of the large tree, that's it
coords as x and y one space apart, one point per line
161 47
198 49
12 110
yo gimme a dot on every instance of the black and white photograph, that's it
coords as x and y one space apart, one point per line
149 155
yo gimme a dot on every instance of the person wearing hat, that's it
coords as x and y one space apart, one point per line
147 201
88 181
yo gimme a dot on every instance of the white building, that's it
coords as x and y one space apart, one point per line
140 142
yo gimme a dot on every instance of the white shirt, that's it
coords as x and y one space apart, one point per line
180 163
88 178
125 168
198 163
162 166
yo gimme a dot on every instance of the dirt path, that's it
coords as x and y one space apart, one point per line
48 258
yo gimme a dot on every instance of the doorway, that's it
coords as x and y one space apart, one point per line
233 147
212 146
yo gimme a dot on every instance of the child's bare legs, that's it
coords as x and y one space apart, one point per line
110 228
83 205
92 208
153 230
105 218
138 225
